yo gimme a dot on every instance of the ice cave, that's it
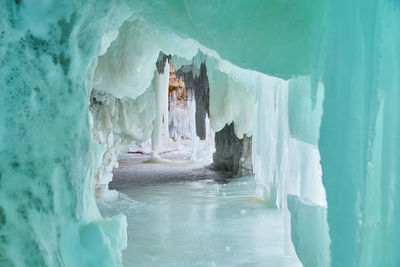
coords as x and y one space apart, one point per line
200 133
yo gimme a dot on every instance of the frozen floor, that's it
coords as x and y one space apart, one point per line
195 222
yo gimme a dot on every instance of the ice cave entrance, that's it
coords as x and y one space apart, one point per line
303 97
250 192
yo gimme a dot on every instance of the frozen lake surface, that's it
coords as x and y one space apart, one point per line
192 222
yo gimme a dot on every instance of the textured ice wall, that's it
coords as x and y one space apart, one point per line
280 38
360 132
286 161
48 216
117 123
309 232
287 158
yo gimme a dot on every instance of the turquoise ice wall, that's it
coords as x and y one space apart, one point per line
48 216
250 34
360 136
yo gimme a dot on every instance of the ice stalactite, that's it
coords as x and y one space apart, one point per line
160 85
232 97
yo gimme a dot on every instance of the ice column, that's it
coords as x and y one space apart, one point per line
160 84
193 135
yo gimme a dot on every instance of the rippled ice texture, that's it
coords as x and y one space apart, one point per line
201 223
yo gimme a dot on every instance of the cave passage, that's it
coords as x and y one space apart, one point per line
277 143
192 198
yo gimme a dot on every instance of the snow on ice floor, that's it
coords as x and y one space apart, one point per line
184 221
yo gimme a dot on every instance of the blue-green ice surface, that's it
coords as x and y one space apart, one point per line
202 223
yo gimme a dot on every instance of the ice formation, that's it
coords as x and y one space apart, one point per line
308 225
160 85
311 81
199 88
115 125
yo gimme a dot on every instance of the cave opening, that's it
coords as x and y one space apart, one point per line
304 121
183 130
187 187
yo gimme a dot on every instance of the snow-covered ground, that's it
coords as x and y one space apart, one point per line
134 169
179 216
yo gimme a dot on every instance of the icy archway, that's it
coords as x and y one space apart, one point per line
344 52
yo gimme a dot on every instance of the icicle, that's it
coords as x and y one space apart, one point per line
193 128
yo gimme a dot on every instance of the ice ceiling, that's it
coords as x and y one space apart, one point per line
316 82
